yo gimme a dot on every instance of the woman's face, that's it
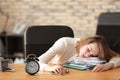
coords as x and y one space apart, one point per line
89 50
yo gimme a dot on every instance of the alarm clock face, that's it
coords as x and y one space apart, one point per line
32 67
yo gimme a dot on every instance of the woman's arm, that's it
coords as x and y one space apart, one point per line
103 67
58 47
113 63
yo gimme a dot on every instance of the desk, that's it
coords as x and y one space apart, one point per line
20 74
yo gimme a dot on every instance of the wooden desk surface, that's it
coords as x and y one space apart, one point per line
20 74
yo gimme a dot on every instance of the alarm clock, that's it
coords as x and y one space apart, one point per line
32 65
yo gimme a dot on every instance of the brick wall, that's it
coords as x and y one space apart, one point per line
80 15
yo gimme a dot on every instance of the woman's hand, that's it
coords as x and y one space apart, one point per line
103 67
56 69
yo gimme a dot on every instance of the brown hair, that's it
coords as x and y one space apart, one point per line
105 51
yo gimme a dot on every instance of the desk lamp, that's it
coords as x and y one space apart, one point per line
7 18
4 31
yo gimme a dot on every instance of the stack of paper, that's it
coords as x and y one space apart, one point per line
88 61
84 63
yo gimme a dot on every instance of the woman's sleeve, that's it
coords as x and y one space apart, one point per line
58 47
115 61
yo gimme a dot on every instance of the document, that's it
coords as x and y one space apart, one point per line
84 63
88 61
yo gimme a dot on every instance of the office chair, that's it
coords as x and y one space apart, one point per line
109 27
39 39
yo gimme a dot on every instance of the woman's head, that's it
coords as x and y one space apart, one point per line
95 46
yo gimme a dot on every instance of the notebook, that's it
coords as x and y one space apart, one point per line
84 63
